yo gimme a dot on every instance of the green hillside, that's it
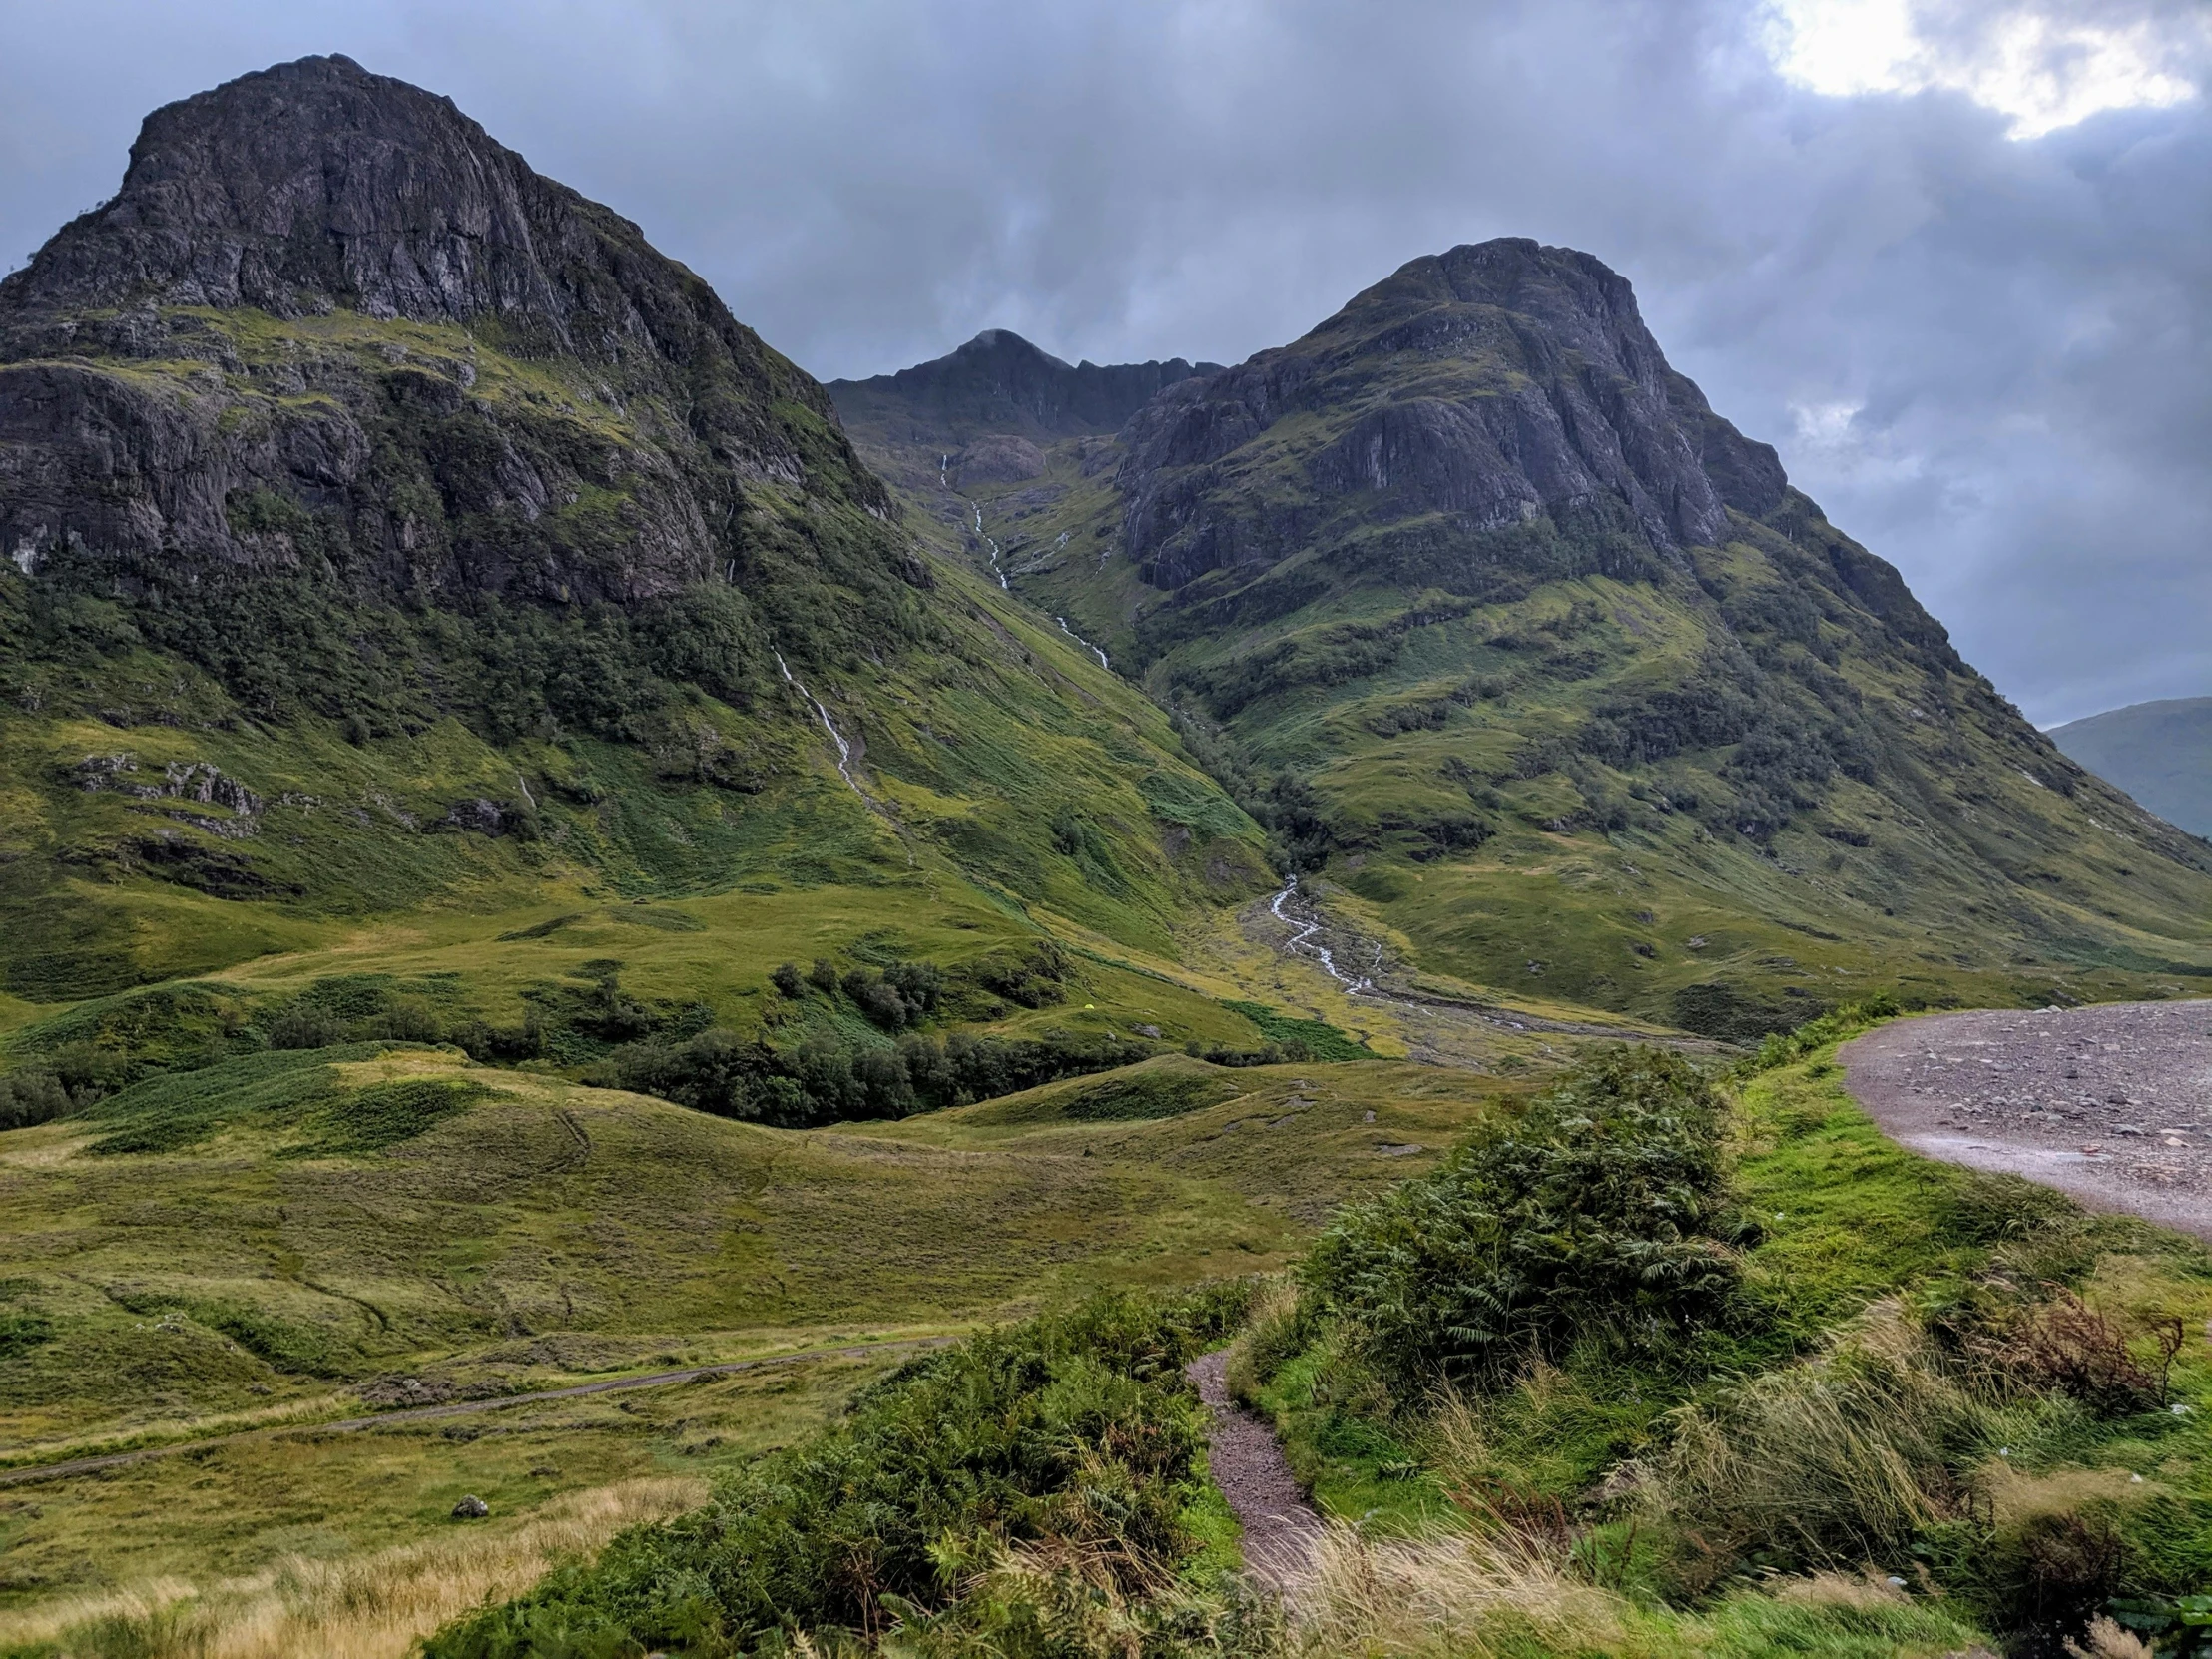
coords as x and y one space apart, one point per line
338 602
1536 665
2159 753
296 1237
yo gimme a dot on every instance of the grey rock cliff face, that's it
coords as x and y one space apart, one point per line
316 183
148 420
1495 383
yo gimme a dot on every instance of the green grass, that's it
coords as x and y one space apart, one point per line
246 1505
266 1262
1163 1088
1321 1040
1856 1235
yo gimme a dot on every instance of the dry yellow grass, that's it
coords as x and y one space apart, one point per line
1448 1594
370 1606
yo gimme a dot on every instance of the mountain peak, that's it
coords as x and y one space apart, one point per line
1497 382
316 191
316 185
1004 343
1000 382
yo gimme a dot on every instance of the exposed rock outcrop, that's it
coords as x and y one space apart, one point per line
998 458
1497 383
329 321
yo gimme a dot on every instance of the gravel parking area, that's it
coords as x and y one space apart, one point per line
2111 1104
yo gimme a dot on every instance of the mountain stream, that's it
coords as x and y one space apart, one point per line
844 750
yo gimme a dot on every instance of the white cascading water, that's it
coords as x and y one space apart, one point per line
1084 642
844 750
1305 931
992 545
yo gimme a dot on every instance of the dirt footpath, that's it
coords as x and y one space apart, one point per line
2111 1105
1280 1527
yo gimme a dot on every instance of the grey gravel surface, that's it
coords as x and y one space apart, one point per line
2112 1104
1280 1526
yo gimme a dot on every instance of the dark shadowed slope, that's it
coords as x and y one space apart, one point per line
978 414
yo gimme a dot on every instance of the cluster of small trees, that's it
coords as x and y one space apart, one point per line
824 1080
902 994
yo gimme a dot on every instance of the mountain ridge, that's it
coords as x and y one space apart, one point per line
1468 592
998 377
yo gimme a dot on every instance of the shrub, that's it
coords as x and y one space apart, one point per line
1034 978
1600 1212
922 984
826 1080
22 1330
408 1021
1844 1460
1782 1048
1071 1436
878 1000
715 1071
31 1097
487 1043
302 1025
787 981
67 1080
2060 1344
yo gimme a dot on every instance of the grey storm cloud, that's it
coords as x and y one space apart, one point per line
1964 290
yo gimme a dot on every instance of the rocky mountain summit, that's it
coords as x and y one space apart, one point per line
1496 384
329 323
1000 383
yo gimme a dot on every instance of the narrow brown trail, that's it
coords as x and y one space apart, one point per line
1280 1526
457 1409
2111 1105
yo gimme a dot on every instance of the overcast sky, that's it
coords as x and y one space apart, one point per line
1950 257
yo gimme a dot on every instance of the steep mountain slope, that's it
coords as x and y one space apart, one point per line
2159 753
389 526
1550 675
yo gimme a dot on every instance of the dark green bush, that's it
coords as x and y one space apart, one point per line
304 1026
1075 1432
827 1080
33 1097
1600 1212
22 1330
385 1114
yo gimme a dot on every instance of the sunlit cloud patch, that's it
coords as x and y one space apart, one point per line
2042 66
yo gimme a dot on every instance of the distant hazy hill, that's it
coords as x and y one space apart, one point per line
2160 752
1517 641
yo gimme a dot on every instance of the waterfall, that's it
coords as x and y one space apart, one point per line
1305 931
1084 642
844 750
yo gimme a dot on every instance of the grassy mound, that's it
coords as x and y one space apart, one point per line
1166 1087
